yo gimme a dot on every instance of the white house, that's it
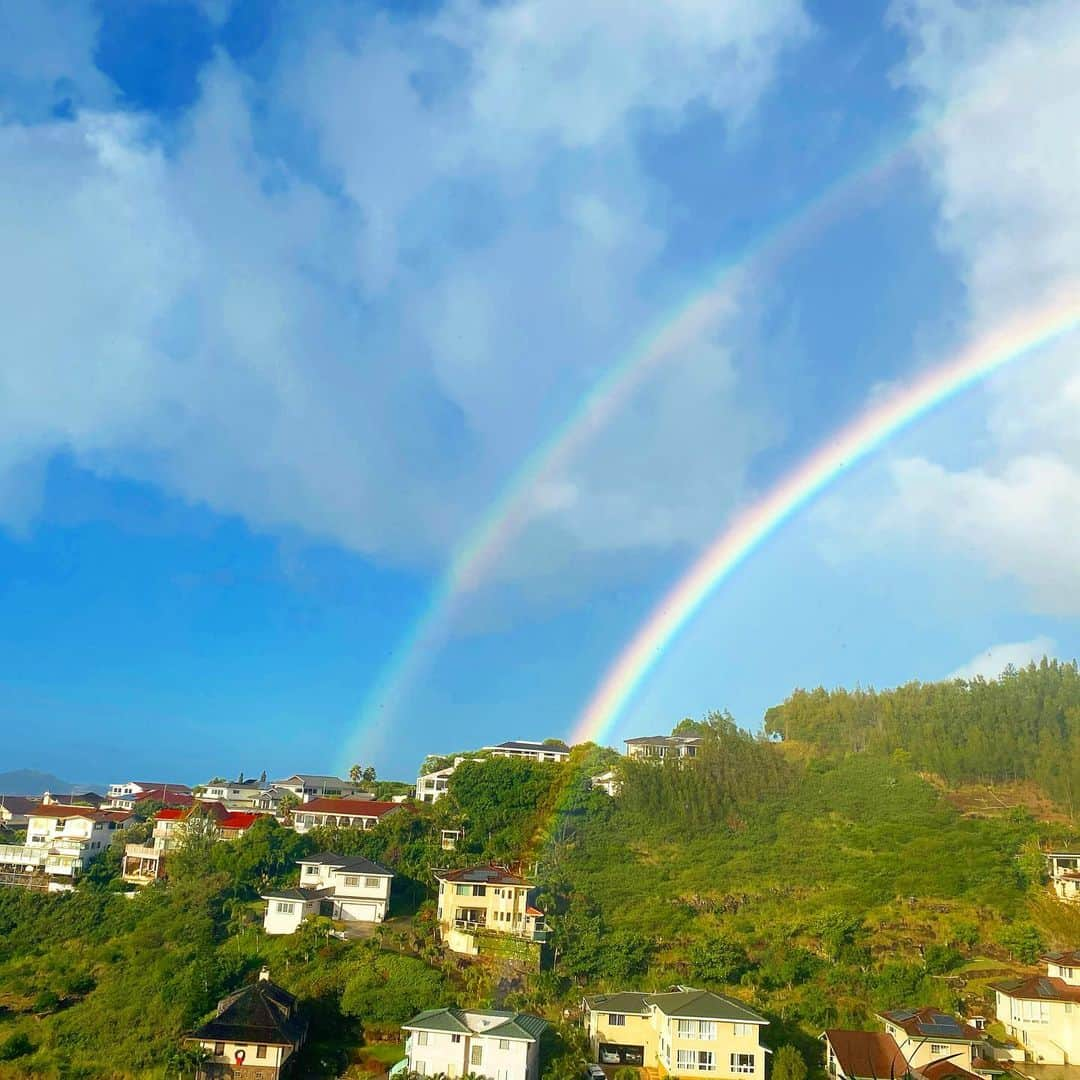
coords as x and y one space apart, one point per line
15 810
926 1034
344 887
432 786
663 747
342 813
608 782
61 841
240 794
308 786
1042 1012
533 751
493 1043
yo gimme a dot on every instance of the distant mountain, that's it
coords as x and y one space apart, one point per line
32 782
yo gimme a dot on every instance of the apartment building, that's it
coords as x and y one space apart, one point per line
685 1032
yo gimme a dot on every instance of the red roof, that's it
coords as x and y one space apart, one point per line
223 817
240 820
946 1070
348 807
866 1055
1038 988
530 910
170 813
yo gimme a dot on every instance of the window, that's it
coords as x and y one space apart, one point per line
371 883
420 1068
462 890
742 1063
696 1029
1038 1011
616 1020
312 871
476 1056
455 1038
260 1051
504 1044
938 1048
421 1038
744 1029
219 1049
285 909
698 1060
352 882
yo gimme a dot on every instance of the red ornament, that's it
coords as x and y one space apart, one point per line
240 1055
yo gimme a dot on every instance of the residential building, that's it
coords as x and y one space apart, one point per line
166 794
61 841
125 788
308 786
15 810
607 782
926 1035
237 794
862 1055
684 1032
342 813
253 1034
144 863
552 750
1064 870
663 747
78 798
485 900
344 887
1042 1012
493 1043
450 838
432 786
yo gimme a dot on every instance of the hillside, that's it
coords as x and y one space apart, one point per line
818 886
32 782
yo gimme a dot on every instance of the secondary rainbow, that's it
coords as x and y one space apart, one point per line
1014 339
518 501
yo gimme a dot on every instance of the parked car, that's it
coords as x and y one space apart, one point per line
609 1057
594 1072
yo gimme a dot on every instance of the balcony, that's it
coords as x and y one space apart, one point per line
22 855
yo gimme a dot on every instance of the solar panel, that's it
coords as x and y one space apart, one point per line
951 1028
901 1015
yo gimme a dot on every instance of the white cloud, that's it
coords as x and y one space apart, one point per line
361 339
999 90
991 663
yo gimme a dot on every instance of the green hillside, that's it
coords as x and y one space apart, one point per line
814 882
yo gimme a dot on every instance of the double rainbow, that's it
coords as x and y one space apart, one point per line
1016 338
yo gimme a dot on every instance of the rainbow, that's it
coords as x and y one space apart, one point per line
1018 337
519 501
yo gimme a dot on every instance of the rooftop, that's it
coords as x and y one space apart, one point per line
348 807
554 747
19 804
665 740
1038 988
497 1022
482 875
925 1022
867 1055
259 1013
684 1003
347 863
1068 958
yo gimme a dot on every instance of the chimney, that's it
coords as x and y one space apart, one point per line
47 798
264 974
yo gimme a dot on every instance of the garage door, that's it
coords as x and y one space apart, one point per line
358 911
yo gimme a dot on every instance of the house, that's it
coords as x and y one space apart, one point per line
342 813
237 794
81 798
144 863
344 887
254 1033
862 1055
552 750
1042 1012
1064 870
166 794
493 1043
926 1035
432 786
684 1032
15 810
126 788
61 841
608 782
663 747
450 838
308 786
485 900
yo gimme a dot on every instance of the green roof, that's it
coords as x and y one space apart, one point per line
514 1025
624 1002
703 1005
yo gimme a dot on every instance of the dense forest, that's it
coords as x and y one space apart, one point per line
816 883
1025 725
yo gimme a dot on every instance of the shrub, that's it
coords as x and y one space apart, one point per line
15 1046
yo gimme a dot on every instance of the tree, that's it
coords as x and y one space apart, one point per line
369 775
788 1064
289 802
15 1046
356 773
718 960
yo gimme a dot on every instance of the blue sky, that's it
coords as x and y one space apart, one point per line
291 291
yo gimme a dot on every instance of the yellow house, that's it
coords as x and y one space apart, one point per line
682 1033
485 900
1042 1012
926 1035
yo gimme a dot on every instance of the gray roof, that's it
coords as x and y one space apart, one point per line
666 740
349 863
555 747
514 1025
315 778
685 1003
296 893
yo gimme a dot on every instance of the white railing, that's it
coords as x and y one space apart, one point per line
21 855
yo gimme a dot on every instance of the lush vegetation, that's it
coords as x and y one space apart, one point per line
1025 725
819 878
